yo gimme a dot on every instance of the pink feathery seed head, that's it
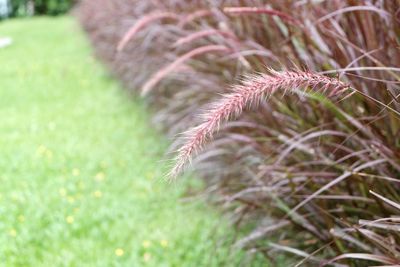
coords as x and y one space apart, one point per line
242 10
141 23
201 34
259 10
193 16
163 72
250 93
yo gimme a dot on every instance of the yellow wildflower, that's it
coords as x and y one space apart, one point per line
13 233
97 194
71 199
164 243
75 172
99 176
21 218
63 192
146 243
70 219
146 256
119 252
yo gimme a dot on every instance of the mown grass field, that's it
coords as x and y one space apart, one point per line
80 172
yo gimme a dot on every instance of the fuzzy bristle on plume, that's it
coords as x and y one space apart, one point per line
252 91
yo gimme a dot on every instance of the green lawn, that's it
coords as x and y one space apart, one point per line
80 173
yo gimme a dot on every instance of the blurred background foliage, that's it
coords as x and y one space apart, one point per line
23 8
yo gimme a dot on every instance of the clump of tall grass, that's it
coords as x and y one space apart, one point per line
300 167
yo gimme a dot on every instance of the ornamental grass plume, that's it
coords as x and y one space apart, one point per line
250 93
159 75
141 23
